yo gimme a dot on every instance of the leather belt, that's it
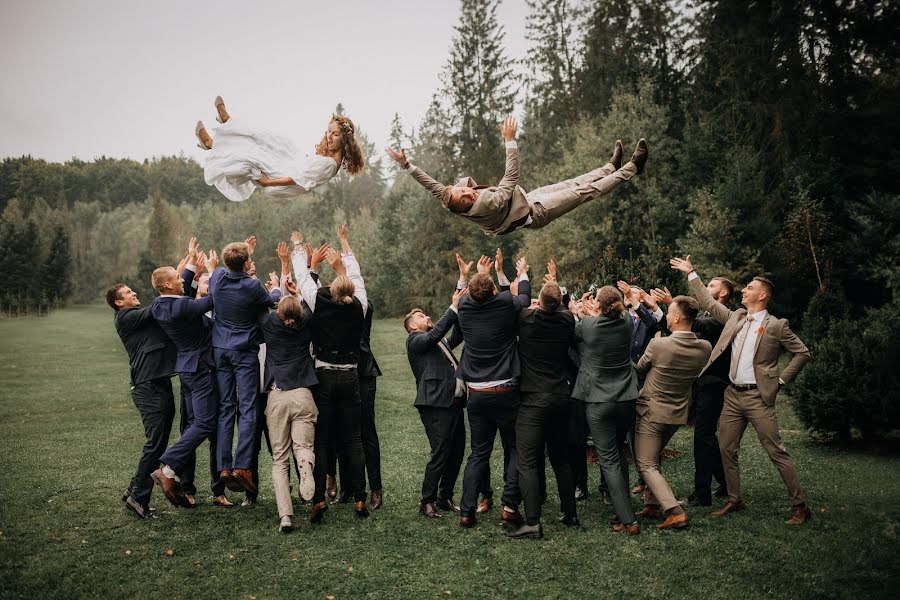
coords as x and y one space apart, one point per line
494 390
744 387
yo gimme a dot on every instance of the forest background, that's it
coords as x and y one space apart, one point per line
772 127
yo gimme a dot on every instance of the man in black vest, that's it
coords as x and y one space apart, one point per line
440 398
490 367
151 356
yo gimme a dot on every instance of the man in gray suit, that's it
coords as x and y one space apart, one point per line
670 364
757 340
506 207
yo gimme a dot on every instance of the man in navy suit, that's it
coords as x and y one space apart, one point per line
236 335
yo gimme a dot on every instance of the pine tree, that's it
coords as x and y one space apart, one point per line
57 269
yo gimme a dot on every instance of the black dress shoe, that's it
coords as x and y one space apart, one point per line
570 521
376 499
466 522
429 510
580 494
343 498
695 500
527 532
446 504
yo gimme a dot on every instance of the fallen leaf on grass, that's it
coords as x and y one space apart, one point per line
170 552
231 557
128 553
329 597
350 569
84 541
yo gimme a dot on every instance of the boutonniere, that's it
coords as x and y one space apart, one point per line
760 330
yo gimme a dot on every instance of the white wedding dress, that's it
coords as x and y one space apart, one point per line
240 154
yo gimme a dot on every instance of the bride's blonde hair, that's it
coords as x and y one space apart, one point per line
354 161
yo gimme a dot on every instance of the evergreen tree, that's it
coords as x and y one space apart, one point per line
56 272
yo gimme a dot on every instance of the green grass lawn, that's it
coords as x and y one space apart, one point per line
70 437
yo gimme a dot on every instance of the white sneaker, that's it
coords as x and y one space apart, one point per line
307 487
286 524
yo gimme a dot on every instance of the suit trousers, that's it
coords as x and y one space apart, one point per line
446 432
155 402
651 439
543 419
261 432
553 201
338 430
237 377
741 408
709 397
490 412
578 434
371 445
609 423
200 388
189 471
291 422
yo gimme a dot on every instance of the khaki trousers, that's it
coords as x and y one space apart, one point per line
650 440
291 419
553 201
741 408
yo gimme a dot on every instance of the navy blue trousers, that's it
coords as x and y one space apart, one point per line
200 406
237 377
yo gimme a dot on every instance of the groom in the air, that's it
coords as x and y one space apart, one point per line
507 207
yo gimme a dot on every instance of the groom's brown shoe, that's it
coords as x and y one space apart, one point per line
800 515
170 488
639 158
730 507
617 155
245 478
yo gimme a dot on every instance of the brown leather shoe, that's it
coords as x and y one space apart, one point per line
429 510
446 504
466 522
191 501
618 153
362 511
170 488
800 515
639 488
230 482
650 512
639 158
245 478
330 486
730 507
511 516
629 529
376 499
591 454
222 501
485 505
317 512
674 522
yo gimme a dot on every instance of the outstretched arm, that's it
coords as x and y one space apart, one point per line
351 266
308 287
719 312
425 180
511 176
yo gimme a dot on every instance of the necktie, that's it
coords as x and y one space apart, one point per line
736 356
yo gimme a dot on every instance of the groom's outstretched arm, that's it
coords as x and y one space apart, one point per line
425 180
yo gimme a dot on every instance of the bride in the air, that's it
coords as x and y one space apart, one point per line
242 158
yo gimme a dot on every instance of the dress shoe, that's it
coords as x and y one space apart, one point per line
191 501
639 158
650 512
632 529
535 532
674 522
287 524
317 512
376 499
511 516
249 501
343 498
721 492
142 512
580 493
605 498
800 515
466 522
361 510
639 488
570 521
730 507
245 478
429 510
230 482
170 488
695 500
222 501
330 486
447 504
617 155
485 505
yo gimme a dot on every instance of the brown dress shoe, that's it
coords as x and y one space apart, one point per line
230 482
639 488
617 155
730 507
245 478
650 512
429 510
485 505
629 529
222 501
800 515
361 510
674 522
376 499
191 501
170 488
639 158
317 512
330 486
511 516
446 504
466 522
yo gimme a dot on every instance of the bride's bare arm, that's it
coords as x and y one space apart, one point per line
267 181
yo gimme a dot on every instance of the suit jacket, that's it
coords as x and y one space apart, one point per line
489 331
708 328
289 365
435 376
151 354
671 365
645 327
184 321
239 299
606 373
367 366
544 341
499 209
776 338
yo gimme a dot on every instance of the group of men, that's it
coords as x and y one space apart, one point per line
521 374
205 326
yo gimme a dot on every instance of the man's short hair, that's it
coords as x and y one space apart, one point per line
688 307
409 317
550 297
768 286
235 255
727 284
481 287
159 278
112 294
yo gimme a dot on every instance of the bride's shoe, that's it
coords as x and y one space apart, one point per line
202 145
217 103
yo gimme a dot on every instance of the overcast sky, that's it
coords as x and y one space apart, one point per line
123 78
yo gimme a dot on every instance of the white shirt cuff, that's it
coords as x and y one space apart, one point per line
454 309
692 275
503 280
461 284
781 381
523 277
190 267
511 144
658 314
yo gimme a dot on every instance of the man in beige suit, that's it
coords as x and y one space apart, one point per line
671 365
757 340
506 207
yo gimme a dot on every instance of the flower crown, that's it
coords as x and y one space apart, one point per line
345 124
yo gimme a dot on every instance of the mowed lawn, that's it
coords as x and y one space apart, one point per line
70 437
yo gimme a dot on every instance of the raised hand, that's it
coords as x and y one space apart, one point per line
457 295
398 156
272 283
484 265
283 252
334 259
551 271
648 299
200 263
213 261
508 128
342 236
591 307
464 267
251 243
521 266
319 255
498 262
682 264
251 269
662 295
309 252
296 237
193 249
290 286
